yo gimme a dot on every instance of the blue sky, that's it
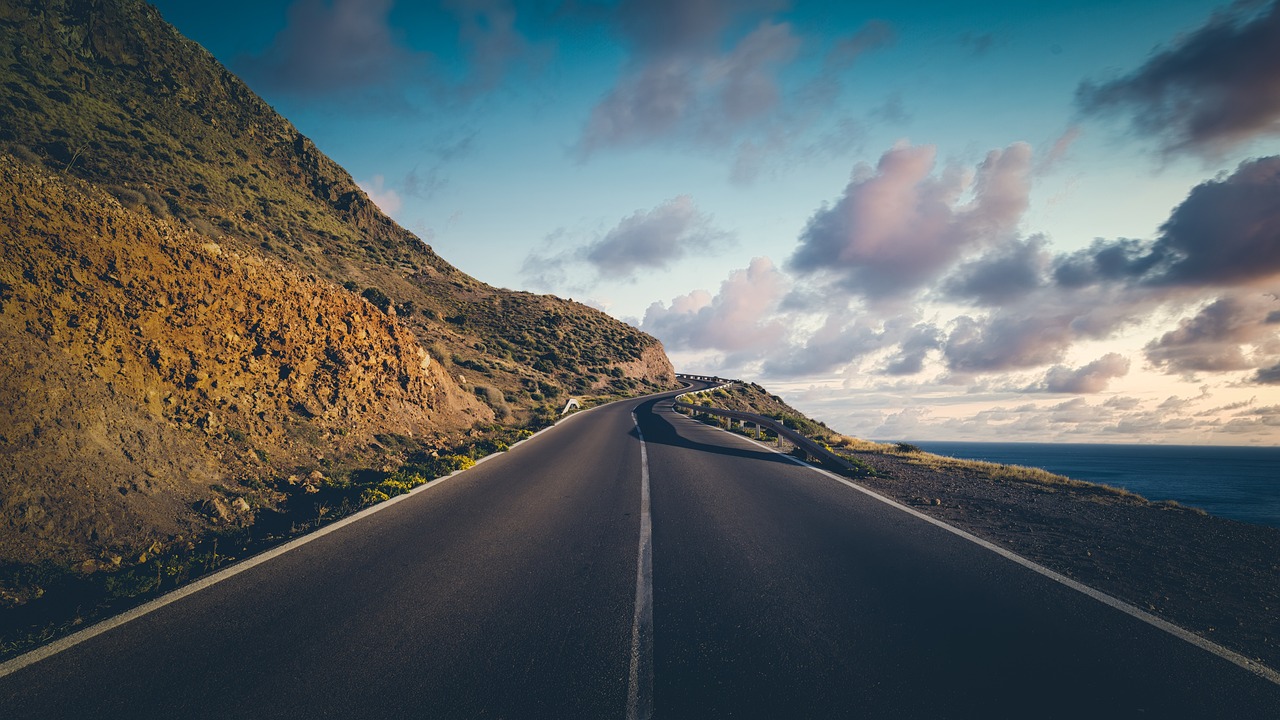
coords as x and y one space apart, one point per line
985 220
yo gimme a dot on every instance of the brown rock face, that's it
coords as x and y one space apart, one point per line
141 363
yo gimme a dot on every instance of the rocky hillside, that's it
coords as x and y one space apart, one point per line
106 91
142 363
198 308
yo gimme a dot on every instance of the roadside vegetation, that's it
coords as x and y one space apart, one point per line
40 602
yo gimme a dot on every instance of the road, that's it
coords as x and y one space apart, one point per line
510 591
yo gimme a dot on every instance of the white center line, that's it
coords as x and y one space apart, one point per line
640 686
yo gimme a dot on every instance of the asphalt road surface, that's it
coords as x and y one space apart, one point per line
510 591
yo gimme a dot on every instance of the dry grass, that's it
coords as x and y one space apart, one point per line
1004 473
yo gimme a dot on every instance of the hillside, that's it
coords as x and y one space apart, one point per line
107 92
208 331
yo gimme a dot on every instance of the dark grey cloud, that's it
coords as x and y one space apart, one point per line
1005 274
978 43
846 51
1223 336
643 241
653 239
891 111
1268 375
1212 89
899 227
1037 329
1092 378
835 344
1007 340
493 45
701 95
661 27
1225 233
708 73
913 349
334 48
348 47
1105 261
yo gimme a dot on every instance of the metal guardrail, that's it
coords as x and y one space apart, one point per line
814 449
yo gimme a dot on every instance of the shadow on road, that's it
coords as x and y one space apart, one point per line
657 429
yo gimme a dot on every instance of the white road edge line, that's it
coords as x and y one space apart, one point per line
70 641
640 677
1252 666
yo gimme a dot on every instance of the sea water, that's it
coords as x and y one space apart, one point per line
1241 483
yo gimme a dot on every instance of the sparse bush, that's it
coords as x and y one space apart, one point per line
378 298
128 197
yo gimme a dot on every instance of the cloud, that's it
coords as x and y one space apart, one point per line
1227 231
839 341
873 35
1059 150
653 239
1009 272
334 48
686 90
1104 261
737 319
343 47
898 227
1213 89
891 111
1268 375
1215 338
910 237
423 185
709 74
1092 378
785 146
1007 340
978 43
646 240
487 33
913 349
387 199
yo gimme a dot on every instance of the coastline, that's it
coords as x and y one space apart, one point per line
1235 482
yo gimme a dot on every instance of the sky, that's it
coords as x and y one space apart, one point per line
1000 221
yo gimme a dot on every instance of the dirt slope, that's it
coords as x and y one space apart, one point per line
141 364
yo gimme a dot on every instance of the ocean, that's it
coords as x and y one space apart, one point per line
1241 483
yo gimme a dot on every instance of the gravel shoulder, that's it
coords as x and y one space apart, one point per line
1218 578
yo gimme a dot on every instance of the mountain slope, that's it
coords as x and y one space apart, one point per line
142 363
106 91
206 324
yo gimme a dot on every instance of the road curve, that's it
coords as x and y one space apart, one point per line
779 592
509 591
